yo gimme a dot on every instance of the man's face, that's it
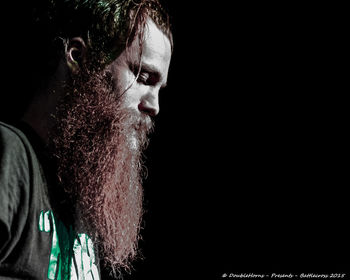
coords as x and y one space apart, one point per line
142 94
100 131
141 80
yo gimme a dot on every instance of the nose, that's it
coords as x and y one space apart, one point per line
149 104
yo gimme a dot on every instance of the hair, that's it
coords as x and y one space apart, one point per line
108 27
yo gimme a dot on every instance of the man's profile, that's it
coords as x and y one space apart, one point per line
71 169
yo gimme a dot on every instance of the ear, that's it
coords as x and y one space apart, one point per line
75 53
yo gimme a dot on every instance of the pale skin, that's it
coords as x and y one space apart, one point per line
142 93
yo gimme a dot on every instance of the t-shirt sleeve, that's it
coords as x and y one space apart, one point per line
14 185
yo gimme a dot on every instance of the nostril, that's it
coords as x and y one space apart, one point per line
151 110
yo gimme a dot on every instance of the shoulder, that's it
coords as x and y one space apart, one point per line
12 140
15 184
14 154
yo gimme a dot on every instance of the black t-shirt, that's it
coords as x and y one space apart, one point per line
34 243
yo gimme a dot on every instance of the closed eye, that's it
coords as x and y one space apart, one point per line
147 75
143 78
148 78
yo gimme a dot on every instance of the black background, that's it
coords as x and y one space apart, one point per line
247 168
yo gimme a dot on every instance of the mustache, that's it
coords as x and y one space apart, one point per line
139 121
145 124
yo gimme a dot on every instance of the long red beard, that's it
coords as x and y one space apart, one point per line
98 148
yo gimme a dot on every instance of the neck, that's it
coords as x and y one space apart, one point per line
37 116
39 112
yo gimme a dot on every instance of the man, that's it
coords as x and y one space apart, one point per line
70 172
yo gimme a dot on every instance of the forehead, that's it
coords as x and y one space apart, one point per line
156 44
155 55
156 50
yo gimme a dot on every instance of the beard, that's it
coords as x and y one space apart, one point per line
97 145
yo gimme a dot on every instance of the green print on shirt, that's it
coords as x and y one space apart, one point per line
72 255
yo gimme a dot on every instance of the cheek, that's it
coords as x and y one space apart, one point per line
131 98
121 75
123 80
126 86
